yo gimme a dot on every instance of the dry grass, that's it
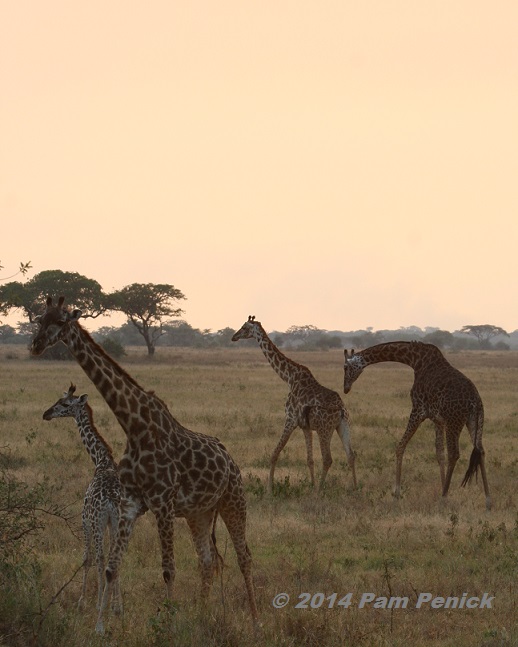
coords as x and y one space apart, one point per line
302 541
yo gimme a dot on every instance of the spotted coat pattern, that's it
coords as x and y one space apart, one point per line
101 508
441 393
166 468
310 406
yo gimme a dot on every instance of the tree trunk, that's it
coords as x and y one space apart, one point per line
149 343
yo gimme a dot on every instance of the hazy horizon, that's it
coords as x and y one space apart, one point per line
345 165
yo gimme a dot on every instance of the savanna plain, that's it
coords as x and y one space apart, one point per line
338 541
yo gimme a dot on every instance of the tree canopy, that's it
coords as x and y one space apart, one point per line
79 292
484 332
148 306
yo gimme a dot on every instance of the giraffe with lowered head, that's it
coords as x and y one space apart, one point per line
102 499
309 406
441 393
166 468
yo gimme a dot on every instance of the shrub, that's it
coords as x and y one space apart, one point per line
113 347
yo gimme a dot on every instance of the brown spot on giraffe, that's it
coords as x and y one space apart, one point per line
309 406
441 393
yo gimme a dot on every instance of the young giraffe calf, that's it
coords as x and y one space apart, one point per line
101 509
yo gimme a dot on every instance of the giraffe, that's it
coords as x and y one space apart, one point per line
103 495
309 406
166 468
441 393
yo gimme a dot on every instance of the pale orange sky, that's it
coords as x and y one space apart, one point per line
343 164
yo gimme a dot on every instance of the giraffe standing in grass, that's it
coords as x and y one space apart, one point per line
309 406
103 495
441 393
166 468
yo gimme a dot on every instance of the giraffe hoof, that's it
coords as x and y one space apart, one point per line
117 609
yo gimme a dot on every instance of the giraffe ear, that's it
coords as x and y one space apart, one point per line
83 399
74 315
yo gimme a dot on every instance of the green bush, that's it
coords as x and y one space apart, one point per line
113 347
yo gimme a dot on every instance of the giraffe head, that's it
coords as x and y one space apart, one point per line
52 324
353 368
67 406
247 329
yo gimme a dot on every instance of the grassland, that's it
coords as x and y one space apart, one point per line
339 541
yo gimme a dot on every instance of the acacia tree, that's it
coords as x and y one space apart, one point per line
147 305
79 292
484 332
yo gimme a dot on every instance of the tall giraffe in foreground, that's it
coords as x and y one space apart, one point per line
441 393
166 468
103 495
309 406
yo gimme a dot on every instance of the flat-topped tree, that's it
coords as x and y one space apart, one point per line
166 468
78 290
147 306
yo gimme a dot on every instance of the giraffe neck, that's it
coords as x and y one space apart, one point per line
122 393
286 369
412 353
98 449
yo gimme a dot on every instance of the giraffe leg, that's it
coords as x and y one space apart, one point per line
99 558
114 528
484 476
475 425
233 512
324 438
201 527
308 437
289 426
165 523
129 511
439 450
87 562
344 431
413 423
452 444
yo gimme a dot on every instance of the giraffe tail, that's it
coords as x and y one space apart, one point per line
477 454
474 463
220 562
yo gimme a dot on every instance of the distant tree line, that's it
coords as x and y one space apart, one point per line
153 321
